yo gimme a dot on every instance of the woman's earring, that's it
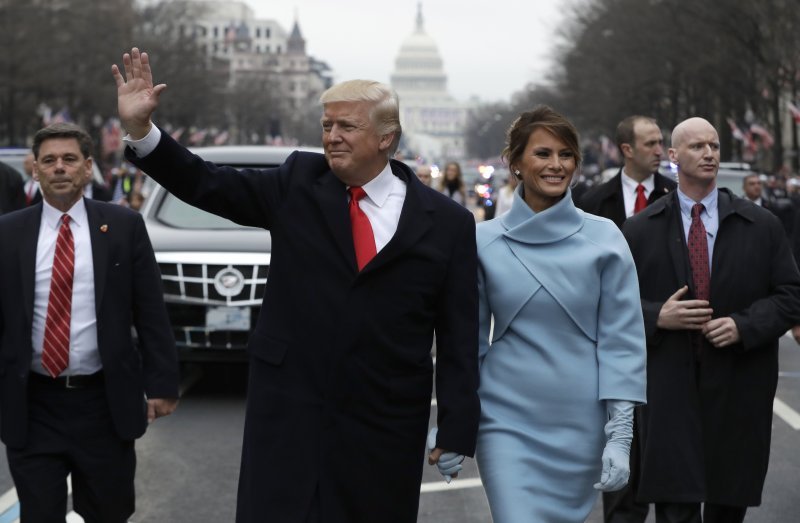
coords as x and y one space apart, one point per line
516 173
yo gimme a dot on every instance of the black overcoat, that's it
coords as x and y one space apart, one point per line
707 424
341 372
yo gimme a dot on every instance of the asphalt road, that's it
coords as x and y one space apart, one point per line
189 462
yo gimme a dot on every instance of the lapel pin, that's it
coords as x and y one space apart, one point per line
104 228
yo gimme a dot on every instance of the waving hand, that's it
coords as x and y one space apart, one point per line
137 97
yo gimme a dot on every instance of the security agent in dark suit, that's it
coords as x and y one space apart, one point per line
75 391
12 197
641 144
719 287
341 371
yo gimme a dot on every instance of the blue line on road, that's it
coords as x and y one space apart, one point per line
11 514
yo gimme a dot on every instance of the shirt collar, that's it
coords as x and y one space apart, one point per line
51 216
379 188
709 202
630 184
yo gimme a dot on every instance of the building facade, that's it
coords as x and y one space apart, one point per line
433 121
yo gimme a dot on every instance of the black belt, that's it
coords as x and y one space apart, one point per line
78 381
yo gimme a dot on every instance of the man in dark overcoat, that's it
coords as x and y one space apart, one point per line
637 185
719 287
341 372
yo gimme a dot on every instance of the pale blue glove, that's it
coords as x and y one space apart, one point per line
616 454
449 462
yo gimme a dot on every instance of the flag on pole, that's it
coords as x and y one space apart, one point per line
735 131
794 110
111 136
766 138
221 138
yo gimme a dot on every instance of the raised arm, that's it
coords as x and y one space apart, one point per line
137 97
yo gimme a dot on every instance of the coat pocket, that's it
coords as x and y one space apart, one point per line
268 349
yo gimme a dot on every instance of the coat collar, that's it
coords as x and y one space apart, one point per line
524 225
415 217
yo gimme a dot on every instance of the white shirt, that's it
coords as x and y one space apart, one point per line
84 357
382 205
629 194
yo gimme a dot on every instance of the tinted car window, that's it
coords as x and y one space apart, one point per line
176 213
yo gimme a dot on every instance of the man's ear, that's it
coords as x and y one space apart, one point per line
386 141
627 150
673 157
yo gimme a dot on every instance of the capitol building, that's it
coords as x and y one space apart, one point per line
433 121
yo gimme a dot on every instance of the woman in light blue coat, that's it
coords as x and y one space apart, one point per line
562 347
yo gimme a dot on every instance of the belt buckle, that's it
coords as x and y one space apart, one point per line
69 385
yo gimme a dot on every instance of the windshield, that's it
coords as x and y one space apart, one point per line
175 213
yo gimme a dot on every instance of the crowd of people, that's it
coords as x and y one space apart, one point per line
623 341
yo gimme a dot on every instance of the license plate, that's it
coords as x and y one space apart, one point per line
228 318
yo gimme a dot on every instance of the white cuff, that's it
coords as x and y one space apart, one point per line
146 145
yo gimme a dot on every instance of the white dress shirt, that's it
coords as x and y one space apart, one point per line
84 357
629 186
382 205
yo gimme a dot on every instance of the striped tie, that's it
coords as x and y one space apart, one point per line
55 354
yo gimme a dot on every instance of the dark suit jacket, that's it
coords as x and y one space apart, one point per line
128 292
607 200
707 423
340 360
12 195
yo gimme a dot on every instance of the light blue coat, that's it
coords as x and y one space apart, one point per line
561 289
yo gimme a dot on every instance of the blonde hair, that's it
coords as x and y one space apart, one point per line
385 110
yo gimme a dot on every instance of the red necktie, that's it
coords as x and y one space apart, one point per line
641 201
55 353
363 238
698 255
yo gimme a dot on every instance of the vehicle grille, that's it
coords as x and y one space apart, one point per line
194 283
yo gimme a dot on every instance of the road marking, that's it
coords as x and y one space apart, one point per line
7 500
456 484
434 402
786 413
9 506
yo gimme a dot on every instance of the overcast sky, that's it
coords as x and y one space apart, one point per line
490 48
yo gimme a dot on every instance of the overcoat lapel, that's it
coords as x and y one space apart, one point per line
415 220
331 194
659 189
677 242
100 239
27 259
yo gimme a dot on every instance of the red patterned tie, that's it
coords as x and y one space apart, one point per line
363 238
641 201
55 353
698 255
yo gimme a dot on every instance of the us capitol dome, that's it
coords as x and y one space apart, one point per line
433 121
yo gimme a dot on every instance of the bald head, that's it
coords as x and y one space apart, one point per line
424 174
695 150
690 126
